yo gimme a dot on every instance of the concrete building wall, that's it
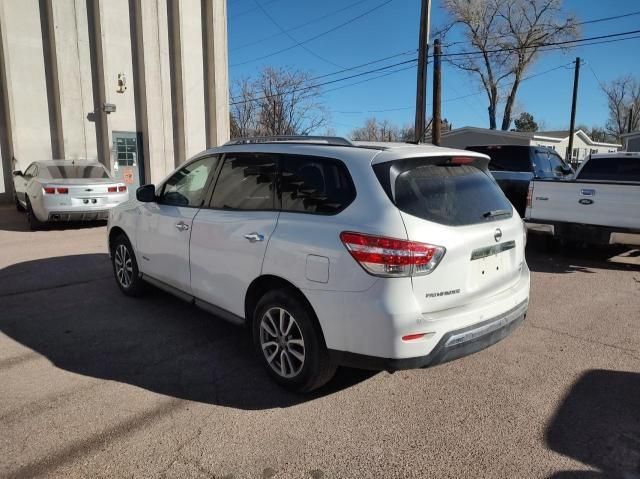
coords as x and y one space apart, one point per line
60 61
26 89
118 60
73 67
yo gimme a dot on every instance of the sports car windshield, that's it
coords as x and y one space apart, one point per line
73 171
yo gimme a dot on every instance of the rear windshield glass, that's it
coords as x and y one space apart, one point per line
611 169
450 195
506 158
73 171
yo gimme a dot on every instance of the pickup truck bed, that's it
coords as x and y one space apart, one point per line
589 210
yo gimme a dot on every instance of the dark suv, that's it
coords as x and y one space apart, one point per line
514 166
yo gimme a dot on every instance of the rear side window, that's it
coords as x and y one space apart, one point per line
311 184
449 194
506 158
246 182
611 169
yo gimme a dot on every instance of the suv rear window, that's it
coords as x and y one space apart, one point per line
612 168
506 158
454 195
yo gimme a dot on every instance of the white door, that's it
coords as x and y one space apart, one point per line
165 225
229 239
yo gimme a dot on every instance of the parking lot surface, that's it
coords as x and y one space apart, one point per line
96 384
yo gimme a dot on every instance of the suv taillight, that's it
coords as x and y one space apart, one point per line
390 257
529 195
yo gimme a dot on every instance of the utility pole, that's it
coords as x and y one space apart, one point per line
421 91
576 77
437 88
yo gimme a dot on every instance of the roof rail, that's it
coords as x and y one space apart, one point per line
321 140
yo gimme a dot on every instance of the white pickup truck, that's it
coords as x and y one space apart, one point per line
600 206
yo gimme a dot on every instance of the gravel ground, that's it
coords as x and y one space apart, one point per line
95 384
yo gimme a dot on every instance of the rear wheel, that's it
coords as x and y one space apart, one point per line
19 206
125 267
34 223
289 342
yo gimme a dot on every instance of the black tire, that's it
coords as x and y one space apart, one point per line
34 223
125 267
19 207
316 368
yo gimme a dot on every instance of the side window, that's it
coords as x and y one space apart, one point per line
246 182
315 185
188 185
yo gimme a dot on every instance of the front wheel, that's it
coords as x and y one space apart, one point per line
289 342
125 267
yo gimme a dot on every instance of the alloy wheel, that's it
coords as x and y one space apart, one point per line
282 342
124 266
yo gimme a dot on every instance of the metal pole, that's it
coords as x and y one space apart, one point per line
423 51
576 78
437 87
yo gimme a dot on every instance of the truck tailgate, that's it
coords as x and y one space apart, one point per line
615 205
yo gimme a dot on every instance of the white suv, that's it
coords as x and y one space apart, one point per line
378 256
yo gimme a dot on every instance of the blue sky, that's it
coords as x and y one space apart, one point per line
393 28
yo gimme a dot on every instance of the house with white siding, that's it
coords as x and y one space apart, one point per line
583 145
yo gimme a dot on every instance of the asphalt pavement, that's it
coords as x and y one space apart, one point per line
96 384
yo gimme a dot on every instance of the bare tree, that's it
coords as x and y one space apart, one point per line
384 130
289 103
505 38
244 109
278 102
623 98
374 130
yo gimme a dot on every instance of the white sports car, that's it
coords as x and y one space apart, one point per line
64 190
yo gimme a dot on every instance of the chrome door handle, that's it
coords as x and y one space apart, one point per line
253 237
182 226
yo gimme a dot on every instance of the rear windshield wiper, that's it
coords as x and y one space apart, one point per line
494 213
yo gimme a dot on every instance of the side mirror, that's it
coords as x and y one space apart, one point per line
146 193
567 170
17 173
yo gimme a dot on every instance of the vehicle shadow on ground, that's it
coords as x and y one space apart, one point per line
70 310
13 220
598 424
585 260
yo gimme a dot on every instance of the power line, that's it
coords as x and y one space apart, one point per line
298 27
595 20
542 46
479 92
356 67
326 83
315 37
451 54
292 38
252 9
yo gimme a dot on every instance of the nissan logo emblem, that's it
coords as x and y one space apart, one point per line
497 235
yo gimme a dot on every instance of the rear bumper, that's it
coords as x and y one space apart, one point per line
63 216
453 345
592 234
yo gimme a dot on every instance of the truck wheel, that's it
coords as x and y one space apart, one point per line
289 342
